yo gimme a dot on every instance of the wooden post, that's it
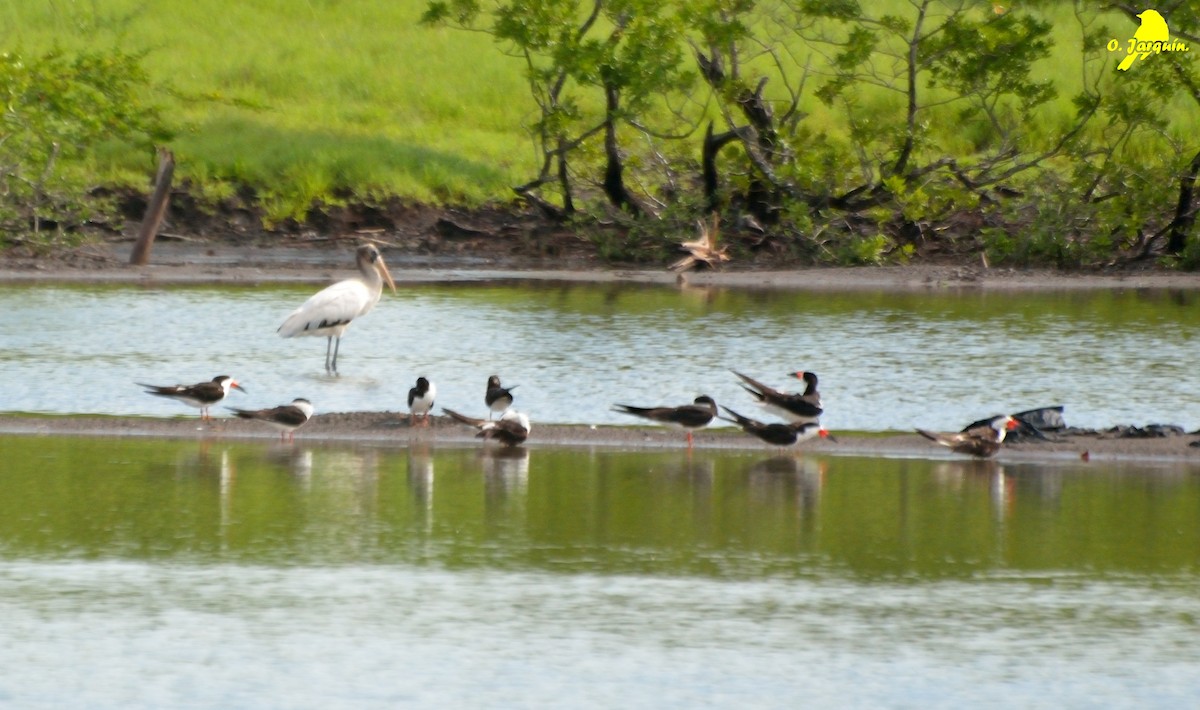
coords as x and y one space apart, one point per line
156 209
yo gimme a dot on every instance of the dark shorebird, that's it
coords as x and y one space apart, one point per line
420 400
980 441
497 398
511 429
286 418
202 395
1031 423
776 433
688 417
330 311
797 408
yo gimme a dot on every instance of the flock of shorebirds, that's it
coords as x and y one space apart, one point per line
330 311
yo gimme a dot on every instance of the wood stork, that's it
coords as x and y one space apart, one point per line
330 311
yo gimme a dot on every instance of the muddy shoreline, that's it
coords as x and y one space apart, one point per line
392 429
223 263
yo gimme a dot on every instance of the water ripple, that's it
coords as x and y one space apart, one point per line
887 362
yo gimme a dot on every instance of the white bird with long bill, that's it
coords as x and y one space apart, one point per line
330 311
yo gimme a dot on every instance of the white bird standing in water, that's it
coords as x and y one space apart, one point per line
330 311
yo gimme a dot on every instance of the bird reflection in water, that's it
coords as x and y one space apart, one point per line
700 474
203 461
505 486
782 478
505 470
285 457
420 479
1001 487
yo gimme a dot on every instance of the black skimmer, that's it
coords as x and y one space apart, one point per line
497 398
688 417
202 395
981 441
420 400
797 408
1031 423
286 418
1043 418
776 433
511 429
330 311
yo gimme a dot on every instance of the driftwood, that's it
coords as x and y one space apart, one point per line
156 209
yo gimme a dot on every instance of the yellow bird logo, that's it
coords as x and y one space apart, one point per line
1153 29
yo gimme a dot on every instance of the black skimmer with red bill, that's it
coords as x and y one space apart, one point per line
420 400
980 441
202 395
497 398
1031 423
511 429
796 408
775 433
330 311
688 417
286 418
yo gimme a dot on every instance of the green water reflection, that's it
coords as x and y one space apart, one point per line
661 513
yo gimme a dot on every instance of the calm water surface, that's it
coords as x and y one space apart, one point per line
887 361
212 574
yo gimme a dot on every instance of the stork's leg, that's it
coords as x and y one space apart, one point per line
328 346
336 345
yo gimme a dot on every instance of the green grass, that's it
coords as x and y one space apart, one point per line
321 99
306 96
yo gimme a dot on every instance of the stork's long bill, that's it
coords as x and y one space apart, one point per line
382 268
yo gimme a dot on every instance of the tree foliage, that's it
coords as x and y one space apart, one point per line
57 108
592 67
941 104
